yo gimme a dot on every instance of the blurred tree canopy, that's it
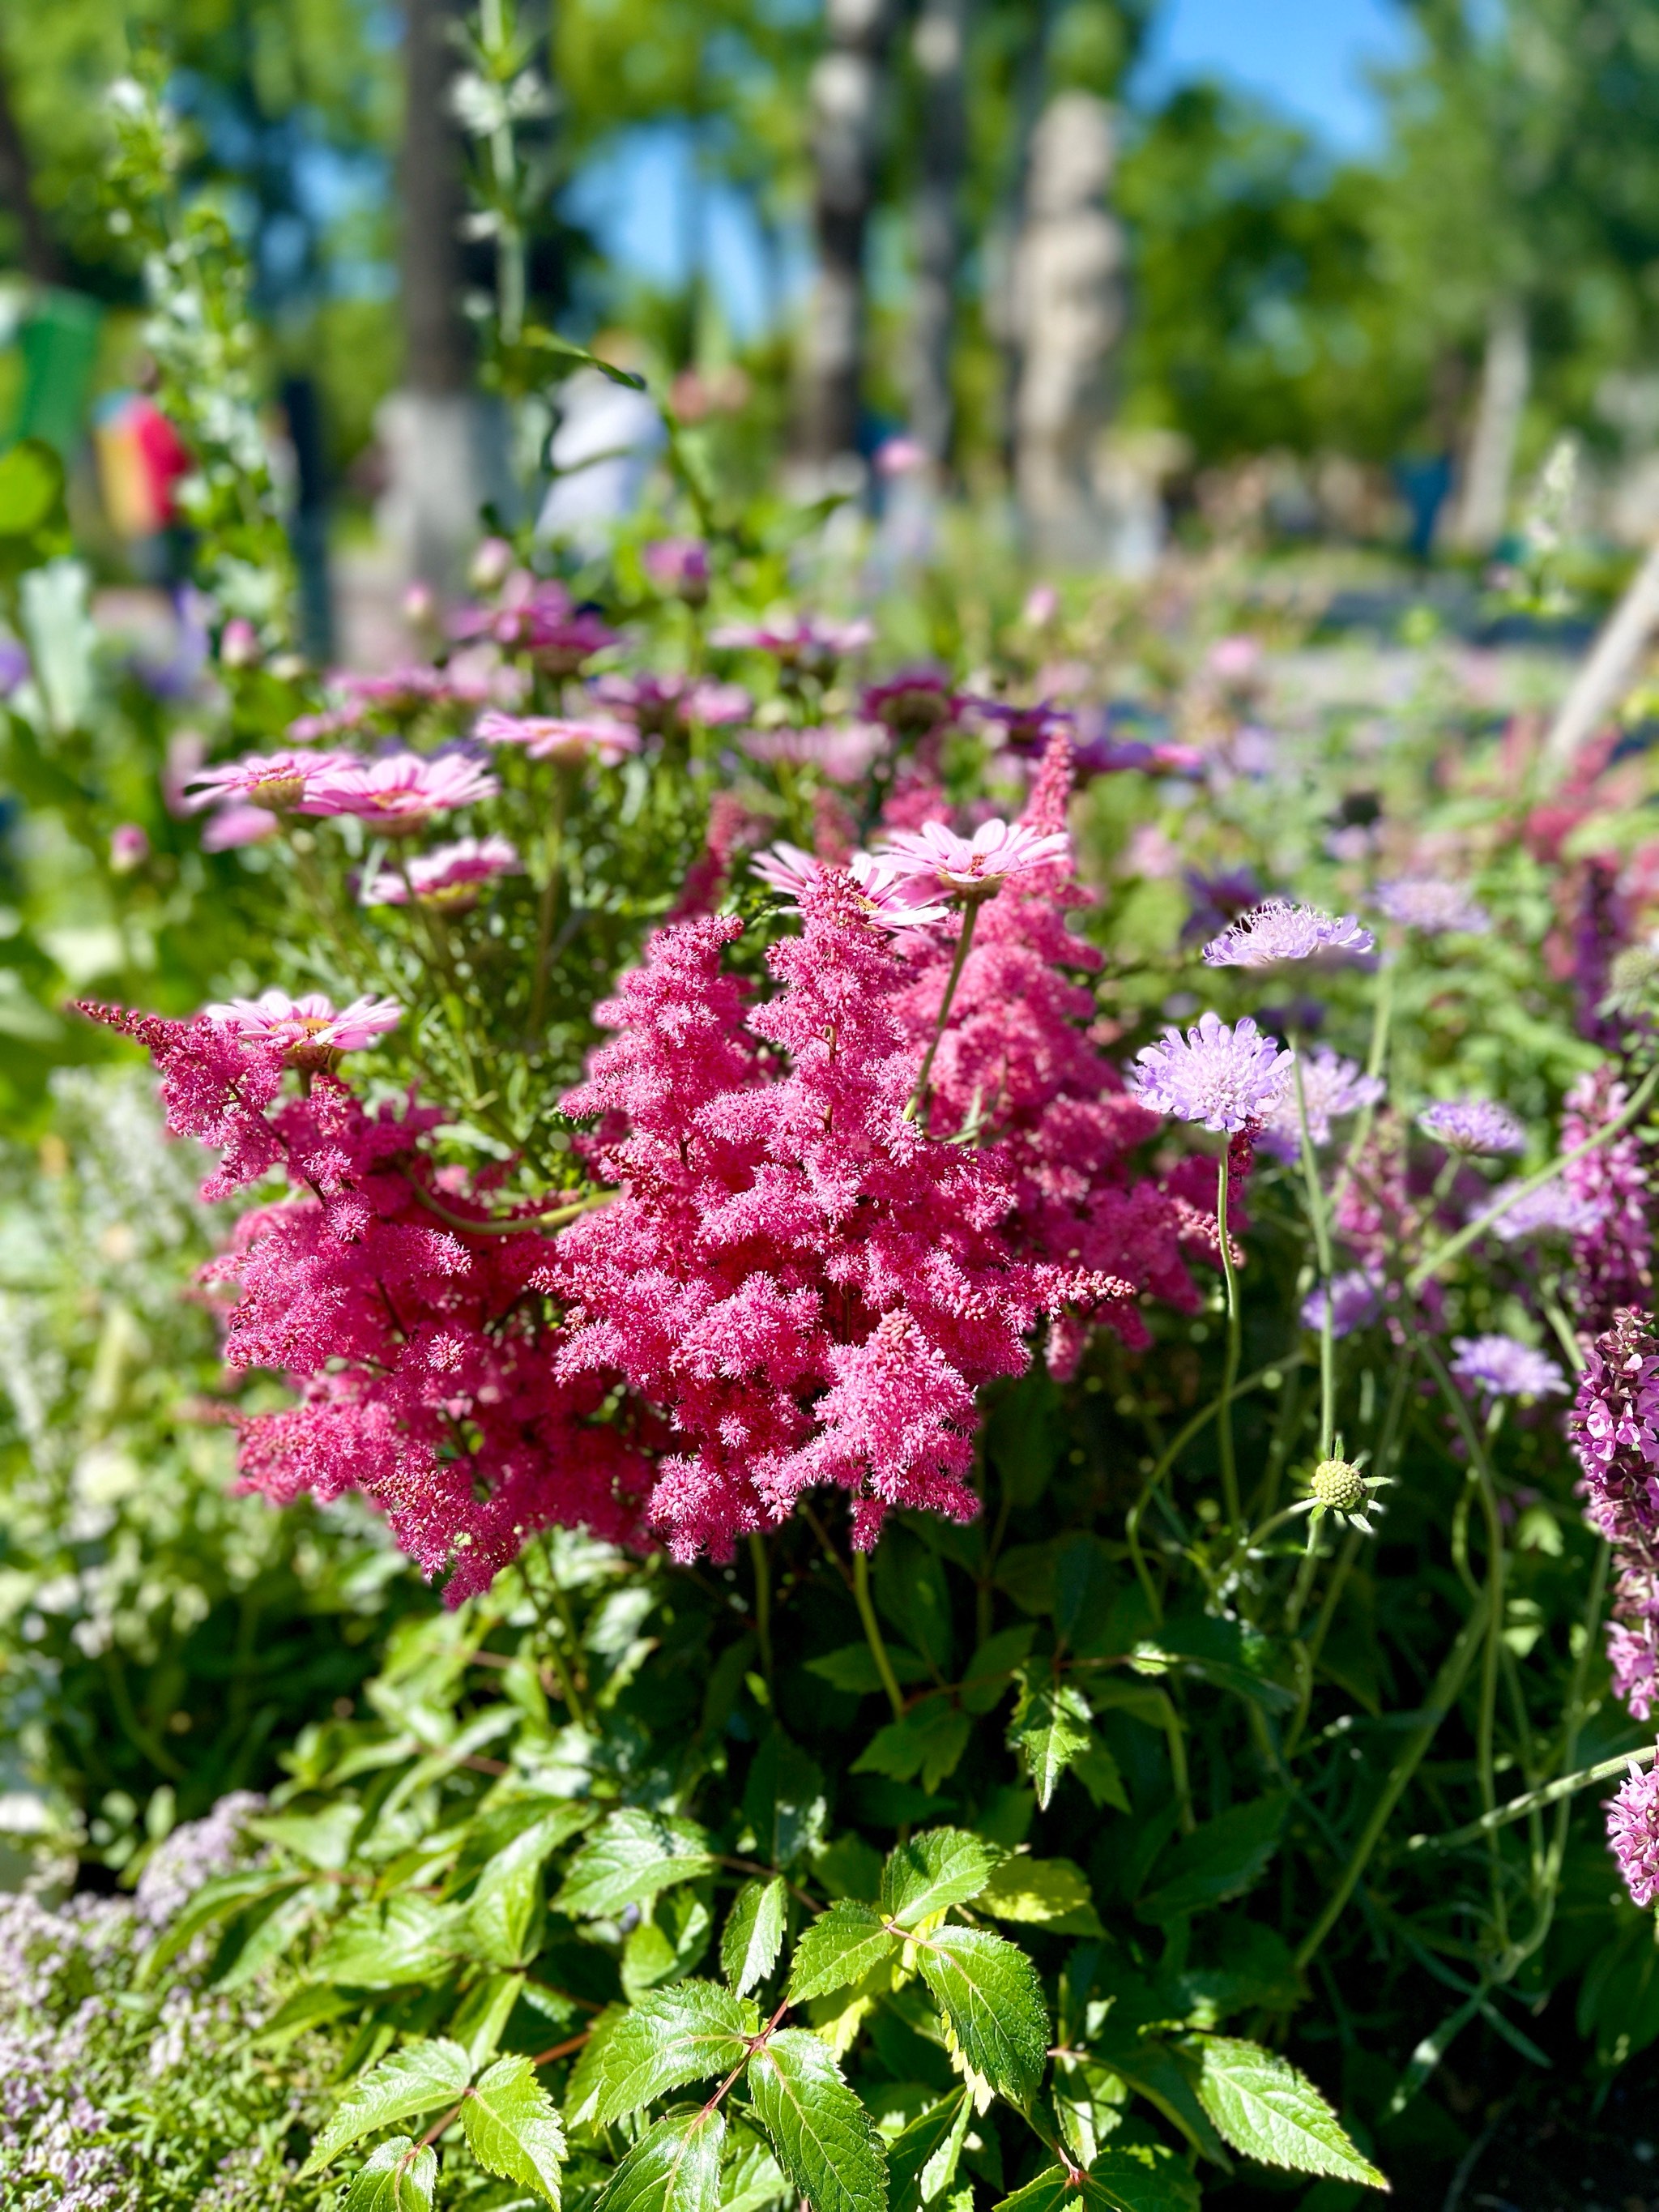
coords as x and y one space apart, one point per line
1280 297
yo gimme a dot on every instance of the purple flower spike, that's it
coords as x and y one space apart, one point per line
1422 902
1278 930
1356 1301
1223 1078
1472 1125
1633 1833
1504 1367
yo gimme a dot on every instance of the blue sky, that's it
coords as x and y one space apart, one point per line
1306 57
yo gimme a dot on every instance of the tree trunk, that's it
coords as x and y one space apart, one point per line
1068 314
845 96
40 255
1477 522
941 39
434 433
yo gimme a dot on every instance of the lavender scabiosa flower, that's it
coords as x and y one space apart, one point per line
1472 1125
1227 1078
1330 1086
1356 1299
1633 1833
1280 930
1612 1260
1424 903
1502 1367
1550 1210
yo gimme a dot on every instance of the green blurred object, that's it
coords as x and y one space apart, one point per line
57 338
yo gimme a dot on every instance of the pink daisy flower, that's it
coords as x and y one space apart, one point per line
449 877
568 740
280 783
806 640
996 852
401 791
892 899
308 1028
844 752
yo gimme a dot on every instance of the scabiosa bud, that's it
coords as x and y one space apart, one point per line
1633 1833
1472 1125
1502 1367
1279 930
1424 903
1223 1078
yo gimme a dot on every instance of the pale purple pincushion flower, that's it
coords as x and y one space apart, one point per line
1426 904
1224 1078
1472 1125
1331 1087
1633 1833
1552 1209
1356 1301
1504 1367
1280 930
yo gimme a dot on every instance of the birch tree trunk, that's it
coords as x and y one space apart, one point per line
1069 306
940 45
845 100
431 429
1483 501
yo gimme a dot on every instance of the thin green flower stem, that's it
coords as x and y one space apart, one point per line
1235 1341
1319 1217
1565 1335
917 1107
872 1633
450 994
1316 1643
554 864
762 1567
1429 1267
1552 1793
1167 1459
1442 1697
550 1637
1486 1713
1375 1060
1285 1423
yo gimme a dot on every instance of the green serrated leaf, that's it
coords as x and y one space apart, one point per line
322 1839
1165 2078
1049 1728
839 1948
939 1867
512 2129
994 1667
1269 2110
1047 2192
911 2154
1139 2178
504 1911
382 1946
989 1992
753 1935
415 2078
928 1741
215 1900
675 2167
1219 1860
853 1669
680 2034
396 2177
825 2141
1053 1893
633 1856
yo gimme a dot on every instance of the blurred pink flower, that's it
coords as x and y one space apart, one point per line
1042 605
448 877
307 1028
845 752
799 641
129 848
237 824
402 790
566 740
678 565
280 782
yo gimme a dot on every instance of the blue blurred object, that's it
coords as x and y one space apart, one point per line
1424 485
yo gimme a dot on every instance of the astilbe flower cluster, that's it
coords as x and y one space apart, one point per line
419 1352
806 1286
1019 1065
1613 1428
1611 1258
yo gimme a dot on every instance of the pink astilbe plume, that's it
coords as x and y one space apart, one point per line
1018 1063
421 1354
807 1287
